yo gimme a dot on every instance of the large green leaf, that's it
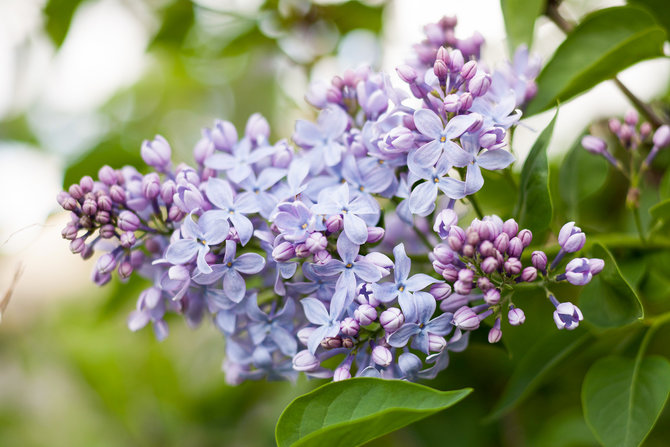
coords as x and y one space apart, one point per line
544 355
534 209
622 398
659 8
520 18
355 411
606 42
581 175
608 300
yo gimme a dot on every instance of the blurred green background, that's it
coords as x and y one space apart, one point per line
84 82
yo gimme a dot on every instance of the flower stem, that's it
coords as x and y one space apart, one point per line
476 207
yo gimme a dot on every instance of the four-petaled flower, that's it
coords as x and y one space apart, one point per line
328 321
211 229
232 207
440 325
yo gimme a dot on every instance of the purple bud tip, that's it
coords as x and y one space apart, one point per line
466 319
515 316
305 361
283 252
539 260
631 117
391 319
596 265
406 73
156 153
349 327
529 274
365 314
440 69
440 291
382 356
106 263
107 175
341 373
492 297
526 237
578 271
375 234
469 70
662 136
436 343
594 145
128 221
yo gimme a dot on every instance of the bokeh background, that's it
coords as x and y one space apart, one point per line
82 83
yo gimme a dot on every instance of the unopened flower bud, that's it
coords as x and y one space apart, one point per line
456 60
224 135
341 373
257 129
75 191
539 260
662 136
127 239
89 207
283 252
66 201
365 314
382 356
452 103
510 227
631 117
104 202
453 303
492 297
391 319
513 266
515 247
443 254
495 334
529 274
77 245
305 361
440 290
466 319
331 343
86 184
450 273
156 153
334 223
526 237
321 257
151 186
479 84
594 145
128 221
440 69
596 265
107 175
117 193
436 343
125 270
349 326
469 70
70 231
302 251
468 250
571 238
501 243
515 316
484 283
106 263
304 333
375 234
406 73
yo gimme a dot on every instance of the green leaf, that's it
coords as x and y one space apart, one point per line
543 356
606 42
661 210
59 15
520 18
608 300
534 209
352 412
581 175
622 398
177 21
659 8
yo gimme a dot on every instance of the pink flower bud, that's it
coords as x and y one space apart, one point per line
305 361
382 356
391 319
516 316
349 326
436 343
365 314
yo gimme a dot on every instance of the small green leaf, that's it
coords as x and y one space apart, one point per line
606 42
622 398
534 209
520 18
544 355
352 412
661 210
608 300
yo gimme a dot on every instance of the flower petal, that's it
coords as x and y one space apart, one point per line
428 123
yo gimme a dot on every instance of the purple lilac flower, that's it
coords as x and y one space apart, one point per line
430 125
322 138
490 159
440 325
278 326
234 208
348 268
403 286
211 229
233 283
567 315
258 188
354 212
328 321
423 196
238 164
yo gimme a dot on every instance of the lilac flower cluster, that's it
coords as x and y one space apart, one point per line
633 136
285 249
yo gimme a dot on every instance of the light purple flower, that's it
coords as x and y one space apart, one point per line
328 321
490 159
257 188
220 194
403 286
322 138
423 196
295 221
233 283
277 326
210 229
578 272
348 268
567 315
238 164
354 212
440 325
430 125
